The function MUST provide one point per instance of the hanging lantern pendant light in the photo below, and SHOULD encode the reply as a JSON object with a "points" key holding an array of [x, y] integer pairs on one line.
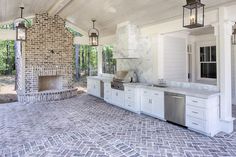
{"points": [[193, 14], [234, 37], [93, 35], [21, 28]]}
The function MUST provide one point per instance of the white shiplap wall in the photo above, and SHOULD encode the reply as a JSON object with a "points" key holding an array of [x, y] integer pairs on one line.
{"points": [[175, 59]]}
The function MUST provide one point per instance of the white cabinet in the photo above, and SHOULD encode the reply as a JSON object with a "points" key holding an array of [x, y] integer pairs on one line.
{"points": [[93, 87], [132, 99], [107, 92], [202, 115], [118, 98], [152, 103]]}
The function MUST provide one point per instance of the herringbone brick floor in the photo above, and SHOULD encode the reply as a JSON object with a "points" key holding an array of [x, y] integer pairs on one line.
{"points": [[87, 126]]}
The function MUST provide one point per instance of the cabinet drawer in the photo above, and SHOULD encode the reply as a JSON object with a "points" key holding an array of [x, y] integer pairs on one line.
{"points": [[130, 90], [130, 104], [129, 97], [196, 124], [196, 112], [198, 102]]}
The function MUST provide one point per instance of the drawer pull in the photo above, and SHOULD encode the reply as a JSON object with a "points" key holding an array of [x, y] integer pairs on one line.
{"points": [[156, 94], [129, 98], [195, 124], [195, 101], [195, 112]]}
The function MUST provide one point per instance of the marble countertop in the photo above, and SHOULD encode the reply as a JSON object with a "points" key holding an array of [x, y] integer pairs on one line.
{"points": [[205, 94]]}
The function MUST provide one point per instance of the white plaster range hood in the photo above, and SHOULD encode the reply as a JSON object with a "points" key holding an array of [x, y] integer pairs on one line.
{"points": [[127, 39]]}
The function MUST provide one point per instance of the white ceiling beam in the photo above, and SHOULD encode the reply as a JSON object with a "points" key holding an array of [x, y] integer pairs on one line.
{"points": [[58, 7]]}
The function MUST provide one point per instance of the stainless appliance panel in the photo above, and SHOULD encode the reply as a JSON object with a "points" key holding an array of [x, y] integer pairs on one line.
{"points": [[175, 108]]}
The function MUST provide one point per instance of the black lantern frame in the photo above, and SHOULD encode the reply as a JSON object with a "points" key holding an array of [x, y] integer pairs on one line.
{"points": [[21, 29], [93, 35], [193, 14], [234, 37], [21, 32]]}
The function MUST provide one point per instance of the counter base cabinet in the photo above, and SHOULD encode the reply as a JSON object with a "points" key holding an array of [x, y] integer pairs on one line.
{"points": [[132, 99], [118, 97], [202, 115], [152, 103], [93, 87]]}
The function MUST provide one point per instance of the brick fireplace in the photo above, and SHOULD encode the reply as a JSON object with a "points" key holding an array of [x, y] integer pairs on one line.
{"points": [[47, 59]]}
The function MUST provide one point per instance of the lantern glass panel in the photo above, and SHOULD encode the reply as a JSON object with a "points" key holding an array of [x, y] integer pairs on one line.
{"points": [[21, 33], [93, 40]]}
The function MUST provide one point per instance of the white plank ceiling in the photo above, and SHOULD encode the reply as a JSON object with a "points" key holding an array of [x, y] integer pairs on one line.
{"points": [[107, 12]]}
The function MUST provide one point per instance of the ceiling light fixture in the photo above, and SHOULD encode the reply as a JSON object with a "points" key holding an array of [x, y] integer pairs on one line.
{"points": [[234, 37], [193, 14], [93, 35], [21, 28]]}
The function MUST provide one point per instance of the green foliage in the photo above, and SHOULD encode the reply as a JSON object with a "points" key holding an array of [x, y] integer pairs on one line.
{"points": [[87, 59], [7, 57], [10, 26], [7, 26], [75, 33], [109, 64]]}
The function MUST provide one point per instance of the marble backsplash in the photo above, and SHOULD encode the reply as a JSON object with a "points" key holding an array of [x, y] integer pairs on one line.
{"points": [[143, 66]]}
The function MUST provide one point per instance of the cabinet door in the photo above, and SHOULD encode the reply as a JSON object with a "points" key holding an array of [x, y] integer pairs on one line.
{"points": [[158, 104], [118, 97], [107, 92], [146, 105], [96, 88]]}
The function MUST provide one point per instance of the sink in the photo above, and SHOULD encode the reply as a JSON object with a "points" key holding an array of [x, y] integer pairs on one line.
{"points": [[158, 85]]}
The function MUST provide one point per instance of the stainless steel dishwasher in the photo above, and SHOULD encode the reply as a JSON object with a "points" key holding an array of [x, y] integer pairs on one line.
{"points": [[175, 108]]}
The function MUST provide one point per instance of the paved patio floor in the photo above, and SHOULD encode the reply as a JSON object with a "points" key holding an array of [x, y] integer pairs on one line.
{"points": [[87, 126]]}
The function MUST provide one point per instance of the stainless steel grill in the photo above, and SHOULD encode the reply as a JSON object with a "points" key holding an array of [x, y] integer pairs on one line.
{"points": [[117, 84]]}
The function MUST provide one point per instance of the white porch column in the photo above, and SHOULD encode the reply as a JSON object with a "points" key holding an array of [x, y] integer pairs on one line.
{"points": [[100, 59], [223, 32]]}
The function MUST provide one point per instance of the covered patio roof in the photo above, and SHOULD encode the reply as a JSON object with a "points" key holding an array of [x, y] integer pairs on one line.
{"points": [[108, 13]]}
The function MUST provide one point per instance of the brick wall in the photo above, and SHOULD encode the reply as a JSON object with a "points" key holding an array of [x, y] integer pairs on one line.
{"points": [[48, 51]]}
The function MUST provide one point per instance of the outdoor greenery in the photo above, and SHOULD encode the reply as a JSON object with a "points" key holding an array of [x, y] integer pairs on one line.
{"points": [[7, 58], [88, 61], [108, 63]]}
